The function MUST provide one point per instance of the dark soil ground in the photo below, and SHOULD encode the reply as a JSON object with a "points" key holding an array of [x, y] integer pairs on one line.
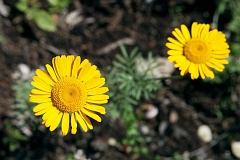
{"points": [[105, 23]]}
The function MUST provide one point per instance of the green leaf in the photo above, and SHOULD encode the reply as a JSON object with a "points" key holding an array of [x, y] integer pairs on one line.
{"points": [[53, 2], [22, 5], [44, 20], [59, 3]]}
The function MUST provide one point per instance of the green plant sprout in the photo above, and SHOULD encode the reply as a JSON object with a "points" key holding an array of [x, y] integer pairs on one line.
{"points": [[129, 87], [43, 18]]}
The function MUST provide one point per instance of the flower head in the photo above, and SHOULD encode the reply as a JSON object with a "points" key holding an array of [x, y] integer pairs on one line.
{"points": [[199, 51], [69, 92]]}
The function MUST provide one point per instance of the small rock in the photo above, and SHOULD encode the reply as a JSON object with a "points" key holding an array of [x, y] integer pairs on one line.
{"points": [[4, 9], [99, 144], [16, 75], [79, 155], [162, 127], [144, 129], [235, 147], [23, 72], [73, 18], [112, 141], [173, 117], [204, 133], [26, 130], [164, 67], [152, 112]]}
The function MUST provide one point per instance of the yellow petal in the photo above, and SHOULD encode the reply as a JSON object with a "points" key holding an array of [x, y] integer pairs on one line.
{"points": [[175, 42], [201, 26], [84, 62], [201, 71], [207, 71], [65, 123], [61, 65], [76, 66], [95, 84], [49, 113], [98, 97], [73, 124], [178, 58], [90, 74], [95, 108], [219, 56], [45, 77], [55, 60], [174, 47], [40, 84], [227, 51], [87, 121], [223, 46], [51, 72], [97, 101], [195, 71], [52, 118], [38, 91], [212, 65], [42, 106], [174, 52], [81, 122], [217, 62], [194, 30], [56, 122], [39, 99], [91, 114], [42, 111], [205, 31], [180, 36], [69, 65], [184, 67], [185, 32], [96, 91], [211, 35], [84, 71]]}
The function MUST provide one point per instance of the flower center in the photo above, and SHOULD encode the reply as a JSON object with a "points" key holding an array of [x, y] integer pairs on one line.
{"points": [[69, 95], [197, 50]]}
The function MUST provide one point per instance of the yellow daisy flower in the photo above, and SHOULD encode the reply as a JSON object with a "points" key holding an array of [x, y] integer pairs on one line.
{"points": [[68, 92], [199, 51]]}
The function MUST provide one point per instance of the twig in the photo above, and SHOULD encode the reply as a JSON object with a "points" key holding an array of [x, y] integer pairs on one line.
{"points": [[208, 146], [108, 48]]}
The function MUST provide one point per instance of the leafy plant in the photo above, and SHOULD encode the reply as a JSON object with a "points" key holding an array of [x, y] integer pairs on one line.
{"points": [[127, 82], [130, 83], [23, 109], [43, 18]]}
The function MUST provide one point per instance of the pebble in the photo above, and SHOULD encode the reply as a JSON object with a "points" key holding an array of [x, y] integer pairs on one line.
{"points": [[204, 133], [235, 147], [162, 127], [23, 72], [152, 112], [144, 129], [173, 117]]}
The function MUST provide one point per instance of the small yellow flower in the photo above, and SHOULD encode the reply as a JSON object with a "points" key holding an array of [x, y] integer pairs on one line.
{"points": [[199, 51], [68, 92]]}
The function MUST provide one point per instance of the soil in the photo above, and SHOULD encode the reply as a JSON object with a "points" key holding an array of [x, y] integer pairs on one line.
{"points": [[104, 25]]}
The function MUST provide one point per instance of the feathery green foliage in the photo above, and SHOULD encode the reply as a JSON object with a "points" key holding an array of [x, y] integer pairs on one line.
{"points": [[130, 83]]}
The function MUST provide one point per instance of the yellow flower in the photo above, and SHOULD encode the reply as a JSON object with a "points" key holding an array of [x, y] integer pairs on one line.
{"points": [[199, 51], [68, 92]]}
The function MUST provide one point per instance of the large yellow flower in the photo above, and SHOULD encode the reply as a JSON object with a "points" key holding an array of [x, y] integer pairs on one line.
{"points": [[68, 92], [199, 51]]}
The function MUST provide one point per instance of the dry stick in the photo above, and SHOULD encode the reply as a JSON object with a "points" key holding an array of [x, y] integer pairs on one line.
{"points": [[208, 146], [108, 48]]}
